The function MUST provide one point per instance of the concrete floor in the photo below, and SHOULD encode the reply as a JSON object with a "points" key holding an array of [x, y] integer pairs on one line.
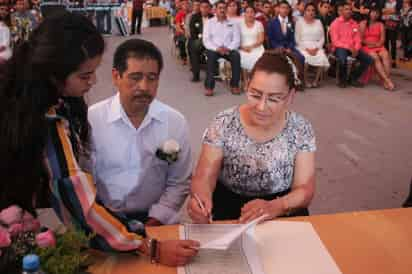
{"points": [[364, 136]]}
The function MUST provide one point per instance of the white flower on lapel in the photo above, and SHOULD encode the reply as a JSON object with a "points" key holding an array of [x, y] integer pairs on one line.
{"points": [[197, 25], [289, 26], [169, 151], [170, 147], [355, 30]]}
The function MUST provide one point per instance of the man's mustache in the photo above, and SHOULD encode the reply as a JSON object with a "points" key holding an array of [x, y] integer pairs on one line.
{"points": [[143, 96]]}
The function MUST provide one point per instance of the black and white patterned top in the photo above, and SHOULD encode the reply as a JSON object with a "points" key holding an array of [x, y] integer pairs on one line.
{"points": [[256, 169]]}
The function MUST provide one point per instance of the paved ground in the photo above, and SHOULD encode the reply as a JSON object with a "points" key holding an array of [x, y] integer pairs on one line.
{"points": [[364, 136]]}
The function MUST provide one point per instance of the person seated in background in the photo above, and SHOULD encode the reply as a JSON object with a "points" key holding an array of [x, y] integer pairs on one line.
{"points": [[298, 10], [361, 9], [257, 158], [23, 21], [142, 148], [265, 18], [326, 18], [5, 38], [258, 5], [373, 40], [195, 45], [346, 41], [252, 36], [281, 33], [221, 38], [243, 5], [310, 39], [194, 7], [233, 11], [179, 35]]}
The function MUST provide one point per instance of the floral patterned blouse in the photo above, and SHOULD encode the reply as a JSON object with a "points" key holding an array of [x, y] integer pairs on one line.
{"points": [[255, 169]]}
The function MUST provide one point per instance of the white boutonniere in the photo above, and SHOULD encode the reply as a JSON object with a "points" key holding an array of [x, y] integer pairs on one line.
{"points": [[200, 36], [169, 151], [289, 25], [355, 30], [197, 25]]}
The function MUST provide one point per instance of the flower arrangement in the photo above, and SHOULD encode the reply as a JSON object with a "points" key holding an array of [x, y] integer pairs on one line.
{"points": [[21, 234]]}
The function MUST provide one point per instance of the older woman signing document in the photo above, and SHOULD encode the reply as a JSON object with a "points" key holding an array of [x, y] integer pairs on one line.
{"points": [[257, 158]]}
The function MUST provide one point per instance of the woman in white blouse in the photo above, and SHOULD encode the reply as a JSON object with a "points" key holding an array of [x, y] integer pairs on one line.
{"points": [[252, 36], [310, 38], [5, 51]]}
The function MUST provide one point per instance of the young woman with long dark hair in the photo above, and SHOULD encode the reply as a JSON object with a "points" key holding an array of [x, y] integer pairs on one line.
{"points": [[46, 135]]}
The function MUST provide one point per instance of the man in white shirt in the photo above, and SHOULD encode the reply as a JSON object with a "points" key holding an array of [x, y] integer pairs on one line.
{"points": [[221, 38], [135, 138]]}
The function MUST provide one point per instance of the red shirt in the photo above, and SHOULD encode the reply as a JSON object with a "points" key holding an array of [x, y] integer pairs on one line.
{"points": [[345, 34], [180, 20]]}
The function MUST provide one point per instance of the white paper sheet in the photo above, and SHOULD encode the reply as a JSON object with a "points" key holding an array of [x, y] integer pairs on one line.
{"points": [[293, 248], [224, 241], [240, 258]]}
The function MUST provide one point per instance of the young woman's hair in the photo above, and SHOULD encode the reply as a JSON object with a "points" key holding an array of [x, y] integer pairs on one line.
{"points": [[275, 61], [30, 83], [237, 6], [373, 9], [310, 4], [6, 20]]}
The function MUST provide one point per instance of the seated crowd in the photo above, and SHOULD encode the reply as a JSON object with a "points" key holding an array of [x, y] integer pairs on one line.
{"points": [[321, 35]]}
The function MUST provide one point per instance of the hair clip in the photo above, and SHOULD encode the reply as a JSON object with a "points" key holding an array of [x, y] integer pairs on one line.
{"points": [[296, 79]]}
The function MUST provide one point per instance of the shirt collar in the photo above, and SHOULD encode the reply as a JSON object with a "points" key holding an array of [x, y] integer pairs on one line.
{"points": [[282, 19], [116, 111]]}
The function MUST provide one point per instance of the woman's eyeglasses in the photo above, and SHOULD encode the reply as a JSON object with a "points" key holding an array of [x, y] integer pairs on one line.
{"points": [[274, 99]]}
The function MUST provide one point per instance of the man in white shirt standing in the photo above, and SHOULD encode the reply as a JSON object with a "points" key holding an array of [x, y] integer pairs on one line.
{"points": [[221, 38], [142, 151]]}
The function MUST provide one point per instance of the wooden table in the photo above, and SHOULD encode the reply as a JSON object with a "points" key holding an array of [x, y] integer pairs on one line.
{"points": [[368, 242]]}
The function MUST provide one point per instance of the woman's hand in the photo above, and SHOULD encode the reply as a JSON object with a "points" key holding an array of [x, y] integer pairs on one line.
{"points": [[256, 208], [177, 252], [196, 212]]}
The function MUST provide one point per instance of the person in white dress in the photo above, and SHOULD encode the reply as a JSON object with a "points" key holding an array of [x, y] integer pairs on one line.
{"points": [[310, 38], [252, 36]]}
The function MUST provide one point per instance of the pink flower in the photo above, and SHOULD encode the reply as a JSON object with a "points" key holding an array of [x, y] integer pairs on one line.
{"points": [[15, 229], [5, 240], [30, 223], [11, 215], [46, 239]]}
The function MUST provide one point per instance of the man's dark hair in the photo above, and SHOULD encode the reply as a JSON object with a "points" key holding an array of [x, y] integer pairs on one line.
{"points": [[322, 3], [220, 2], [205, 2], [136, 48]]}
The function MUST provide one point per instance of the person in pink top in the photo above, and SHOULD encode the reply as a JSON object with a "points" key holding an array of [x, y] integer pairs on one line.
{"points": [[346, 41], [373, 39]]}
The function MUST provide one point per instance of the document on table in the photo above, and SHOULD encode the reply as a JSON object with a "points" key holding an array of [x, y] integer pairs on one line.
{"points": [[240, 257], [275, 247]]}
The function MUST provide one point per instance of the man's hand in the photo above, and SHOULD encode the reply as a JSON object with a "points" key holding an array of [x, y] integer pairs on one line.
{"points": [[221, 50], [354, 53], [177, 252], [153, 222]]}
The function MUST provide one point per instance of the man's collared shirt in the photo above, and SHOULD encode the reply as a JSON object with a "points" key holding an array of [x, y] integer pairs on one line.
{"points": [[345, 34], [130, 177], [221, 34]]}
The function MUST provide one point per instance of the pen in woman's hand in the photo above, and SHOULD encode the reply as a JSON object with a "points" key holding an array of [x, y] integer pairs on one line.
{"points": [[202, 207]]}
